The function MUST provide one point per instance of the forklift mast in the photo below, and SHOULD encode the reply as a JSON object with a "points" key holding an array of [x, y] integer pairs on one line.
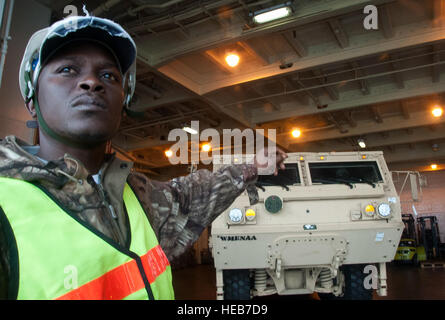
{"points": [[410, 229], [429, 235]]}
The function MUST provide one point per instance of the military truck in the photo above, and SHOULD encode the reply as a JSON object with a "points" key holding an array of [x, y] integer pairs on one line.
{"points": [[328, 223]]}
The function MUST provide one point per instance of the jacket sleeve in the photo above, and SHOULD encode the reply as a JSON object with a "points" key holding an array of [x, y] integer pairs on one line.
{"points": [[180, 209]]}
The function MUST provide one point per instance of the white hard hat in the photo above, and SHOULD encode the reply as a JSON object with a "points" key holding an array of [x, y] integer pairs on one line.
{"points": [[44, 43]]}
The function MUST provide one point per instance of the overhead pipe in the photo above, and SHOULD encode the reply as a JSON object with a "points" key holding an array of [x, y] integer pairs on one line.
{"points": [[105, 7], [185, 15], [2, 10], [6, 37], [133, 11], [163, 120], [154, 6]]}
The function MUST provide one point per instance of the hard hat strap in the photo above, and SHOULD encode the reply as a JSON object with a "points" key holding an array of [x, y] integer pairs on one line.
{"points": [[50, 132]]}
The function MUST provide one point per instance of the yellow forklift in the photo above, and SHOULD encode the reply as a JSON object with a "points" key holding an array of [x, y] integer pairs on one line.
{"points": [[409, 250]]}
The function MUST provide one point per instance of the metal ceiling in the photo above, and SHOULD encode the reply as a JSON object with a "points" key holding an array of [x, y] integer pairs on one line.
{"points": [[319, 70]]}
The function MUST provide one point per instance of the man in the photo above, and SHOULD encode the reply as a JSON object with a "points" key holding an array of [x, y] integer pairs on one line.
{"points": [[75, 222]]}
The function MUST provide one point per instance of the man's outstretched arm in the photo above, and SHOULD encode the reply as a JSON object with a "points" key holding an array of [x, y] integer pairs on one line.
{"points": [[180, 209]]}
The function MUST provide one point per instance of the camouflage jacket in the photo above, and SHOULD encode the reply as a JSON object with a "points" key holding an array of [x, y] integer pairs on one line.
{"points": [[178, 210]]}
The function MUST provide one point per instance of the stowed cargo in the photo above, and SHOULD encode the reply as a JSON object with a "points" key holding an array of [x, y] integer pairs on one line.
{"points": [[324, 224]]}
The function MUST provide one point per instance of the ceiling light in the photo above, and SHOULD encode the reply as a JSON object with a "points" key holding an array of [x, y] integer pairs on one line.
{"points": [[232, 59], [190, 130], [361, 143], [206, 147], [437, 112], [168, 153], [272, 13], [434, 166], [296, 133]]}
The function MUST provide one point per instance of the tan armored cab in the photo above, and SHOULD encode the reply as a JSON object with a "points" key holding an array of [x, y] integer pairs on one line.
{"points": [[328, 223]]}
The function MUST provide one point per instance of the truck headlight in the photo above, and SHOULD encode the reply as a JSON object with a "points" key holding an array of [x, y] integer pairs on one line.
{"points": [[235, 215], [384, 210]]}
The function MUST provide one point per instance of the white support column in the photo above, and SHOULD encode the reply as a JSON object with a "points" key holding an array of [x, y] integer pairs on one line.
{"points": [[219, 285], [382, 289]]}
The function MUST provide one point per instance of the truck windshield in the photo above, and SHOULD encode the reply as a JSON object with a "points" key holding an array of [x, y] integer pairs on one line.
{"points": [[345, 172], [286, 177]]}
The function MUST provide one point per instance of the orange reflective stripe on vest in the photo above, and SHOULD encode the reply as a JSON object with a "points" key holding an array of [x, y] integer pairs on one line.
{"points": [[155, 262], [112, 285]]}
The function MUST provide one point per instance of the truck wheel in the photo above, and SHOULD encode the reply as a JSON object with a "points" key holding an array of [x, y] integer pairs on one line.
{"points": [[354, 288], [354, 283], [236, 284]]}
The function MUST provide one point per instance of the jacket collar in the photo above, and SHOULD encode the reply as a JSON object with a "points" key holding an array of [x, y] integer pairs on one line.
{"points": [[114, 171]]}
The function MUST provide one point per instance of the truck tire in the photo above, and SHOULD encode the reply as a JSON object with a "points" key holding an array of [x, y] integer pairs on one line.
{"points": [[354, 283], [354, 288], [237, 284]]}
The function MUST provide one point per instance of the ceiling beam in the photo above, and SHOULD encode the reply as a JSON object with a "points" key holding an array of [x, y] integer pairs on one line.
{"points": [[308, 13], [350, 119], [289, 85], [375, 140], [404, 110], [171, 96], [435, 69], [423, 152], [330, 90], [364, 85], [219, 62], [386, 22], [420, 166], [257, 91], [296, 45], [313, 97], [361, 47], [339, 33], [238, 112], [376, 114], [384, 93], [127, 143], [398, 75], [331, 118], [367, 44], [418, 119], [253, 52], [188, 90]]}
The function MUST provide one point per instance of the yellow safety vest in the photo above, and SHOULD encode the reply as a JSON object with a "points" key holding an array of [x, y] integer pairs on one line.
{"points": [[58, 256]]}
